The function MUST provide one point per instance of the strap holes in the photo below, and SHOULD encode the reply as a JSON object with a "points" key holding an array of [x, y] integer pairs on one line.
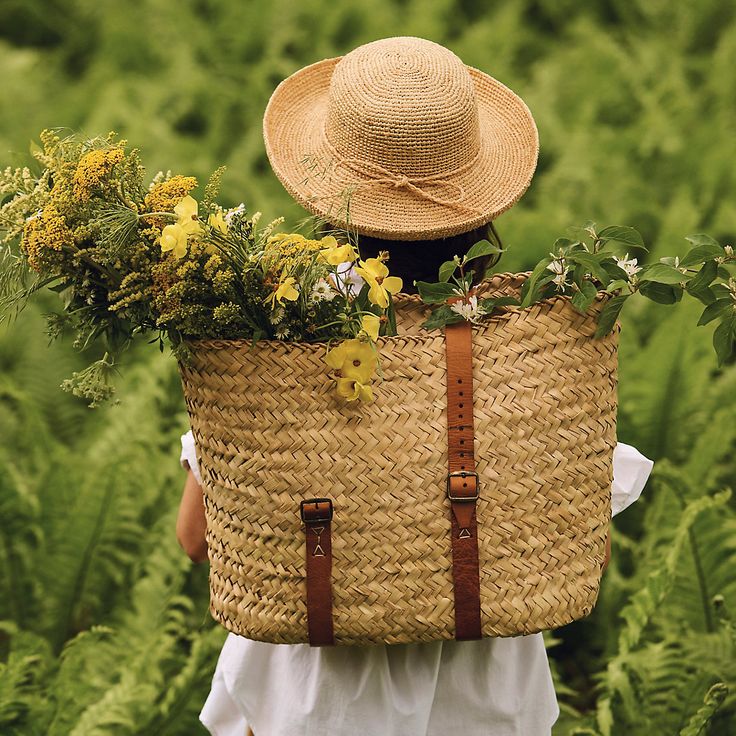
{"points": [[461, 393], [462, 442], [459, 380], [460, 405], [462, 467], [465, 485]]}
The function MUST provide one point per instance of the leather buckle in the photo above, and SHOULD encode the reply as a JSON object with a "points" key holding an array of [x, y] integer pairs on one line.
{"points": [[463, 474], [315, 514]]}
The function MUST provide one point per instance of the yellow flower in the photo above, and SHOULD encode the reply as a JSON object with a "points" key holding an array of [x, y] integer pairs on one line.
{"points": [[44, 232], [354, 359], [381, 284], [165, 195], [174, 237], [186, 211], [217, 221], [93, 169], [334, 253], [371, 324], [351, 389], [285, 290]]}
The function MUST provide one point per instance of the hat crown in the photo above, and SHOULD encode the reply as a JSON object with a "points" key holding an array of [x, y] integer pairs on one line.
{"points": [[405, 104]]}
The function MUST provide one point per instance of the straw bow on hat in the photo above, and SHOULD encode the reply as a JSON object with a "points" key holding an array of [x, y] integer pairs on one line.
{"points": [[400, 140]]}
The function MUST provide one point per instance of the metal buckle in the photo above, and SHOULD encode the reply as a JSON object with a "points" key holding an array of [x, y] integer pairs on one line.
{"points": [[463, 474], [322, 517]]}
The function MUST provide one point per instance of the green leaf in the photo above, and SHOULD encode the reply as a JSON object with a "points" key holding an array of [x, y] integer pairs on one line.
{"points": [[609, 314], [614, 270], [446, 270], [703, 278], [482, 248], [440, 317], [661, 293], [702, 253], [592, 263], [662, 273], [723, 339], [530, 286], [622, 234], [435, 293], [582, 299], [704, 295], [617, 284], [701, 239], [488, 305], [715, 310]]}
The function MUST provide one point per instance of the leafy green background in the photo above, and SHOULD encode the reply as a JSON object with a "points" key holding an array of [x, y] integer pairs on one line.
{"points": [[103, 621]]}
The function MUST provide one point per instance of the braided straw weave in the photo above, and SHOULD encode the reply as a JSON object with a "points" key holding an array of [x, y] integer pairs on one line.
{"points": [[401, 140], [270, 432]]}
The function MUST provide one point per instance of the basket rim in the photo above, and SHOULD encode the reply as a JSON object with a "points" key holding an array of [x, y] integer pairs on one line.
{"points": [[507, 313]]}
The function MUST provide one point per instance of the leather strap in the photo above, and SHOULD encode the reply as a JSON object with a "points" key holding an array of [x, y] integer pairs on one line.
{"points": [[462, 480], [316, 514]]}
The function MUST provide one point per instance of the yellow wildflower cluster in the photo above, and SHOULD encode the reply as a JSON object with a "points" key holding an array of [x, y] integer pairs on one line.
{"points": [[285, 252], [354, 362], [94, 168], [43, 234], [165, 195], [175, 237]]}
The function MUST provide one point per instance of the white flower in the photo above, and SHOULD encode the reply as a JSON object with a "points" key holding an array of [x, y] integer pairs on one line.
{"points": [[239, 210], [322, 291], [629, 266], [282, 333], [560, 269], [728, 250], [347, 277], [277, 315], [467, 309], [558, 266]]}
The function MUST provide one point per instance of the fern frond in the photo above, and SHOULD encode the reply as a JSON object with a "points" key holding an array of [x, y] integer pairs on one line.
{"points": [[702, 717]]}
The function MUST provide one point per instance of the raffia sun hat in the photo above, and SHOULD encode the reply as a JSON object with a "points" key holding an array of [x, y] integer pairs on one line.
{"points": [[400, 140]]}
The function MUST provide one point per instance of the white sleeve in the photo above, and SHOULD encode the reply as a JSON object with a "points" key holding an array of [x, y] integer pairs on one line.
{"points": [[188, 458], [630, 473]]}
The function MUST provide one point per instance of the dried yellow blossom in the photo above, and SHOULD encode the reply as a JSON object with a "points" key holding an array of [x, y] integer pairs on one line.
{"points": [[93, 169], [44, 232]]}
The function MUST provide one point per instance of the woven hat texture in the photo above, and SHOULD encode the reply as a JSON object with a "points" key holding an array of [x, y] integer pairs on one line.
{"points": [[400, 140], [270, 432]]}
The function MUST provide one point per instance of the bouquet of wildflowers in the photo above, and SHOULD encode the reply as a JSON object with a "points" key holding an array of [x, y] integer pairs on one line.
{"points": [[128, 258]]}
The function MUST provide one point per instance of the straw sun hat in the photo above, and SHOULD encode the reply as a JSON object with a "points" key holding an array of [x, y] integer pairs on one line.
{"points": [[400, 140]]}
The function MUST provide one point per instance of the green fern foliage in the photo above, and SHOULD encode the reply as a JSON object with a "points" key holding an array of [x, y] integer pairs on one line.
{"points": [[104, 624]]}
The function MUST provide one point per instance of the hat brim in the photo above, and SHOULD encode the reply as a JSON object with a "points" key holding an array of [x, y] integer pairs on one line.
{"points": [[293, 131]]}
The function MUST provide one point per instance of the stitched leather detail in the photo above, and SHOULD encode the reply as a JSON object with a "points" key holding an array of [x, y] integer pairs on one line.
{"points": [[316, 514], [462, 480]]}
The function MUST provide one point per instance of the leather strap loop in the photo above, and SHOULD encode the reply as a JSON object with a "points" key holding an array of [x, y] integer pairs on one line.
{"points": [[316, 514], [462, 480]]}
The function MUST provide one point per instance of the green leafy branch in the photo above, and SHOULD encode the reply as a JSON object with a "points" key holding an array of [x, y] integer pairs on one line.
{"points": [[592, 266]]}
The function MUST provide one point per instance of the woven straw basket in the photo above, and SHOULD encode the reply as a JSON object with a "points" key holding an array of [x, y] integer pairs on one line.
{"points": [[270, 431]]}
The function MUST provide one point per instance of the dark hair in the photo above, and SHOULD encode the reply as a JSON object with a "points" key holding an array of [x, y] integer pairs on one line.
{"points": [[420, 259]]}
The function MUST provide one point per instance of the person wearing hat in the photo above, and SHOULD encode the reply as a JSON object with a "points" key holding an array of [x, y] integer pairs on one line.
{"points": [[411, 151]]}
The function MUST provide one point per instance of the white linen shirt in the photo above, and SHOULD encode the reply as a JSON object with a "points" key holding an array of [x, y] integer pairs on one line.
{"points": [[490, 687]]}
